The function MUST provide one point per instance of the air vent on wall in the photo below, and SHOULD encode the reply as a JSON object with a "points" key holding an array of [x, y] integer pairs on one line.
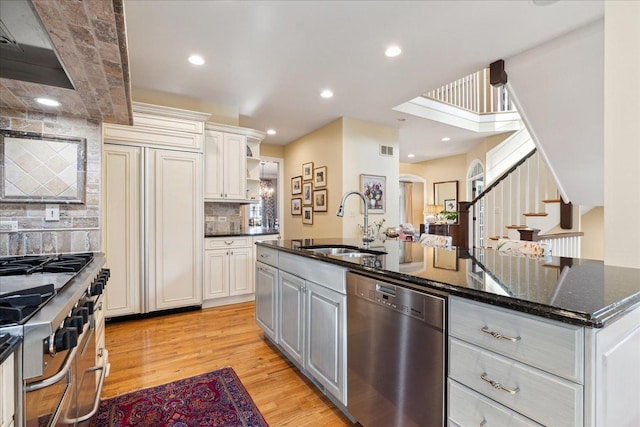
{"points": [[386, 150]]}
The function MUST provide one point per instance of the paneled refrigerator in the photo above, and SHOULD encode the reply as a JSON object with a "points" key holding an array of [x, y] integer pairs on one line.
{"points": [[152, 228]]}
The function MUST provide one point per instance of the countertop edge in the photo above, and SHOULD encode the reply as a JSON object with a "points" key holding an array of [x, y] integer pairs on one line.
{"points": [[600, 320], [241, 234]]}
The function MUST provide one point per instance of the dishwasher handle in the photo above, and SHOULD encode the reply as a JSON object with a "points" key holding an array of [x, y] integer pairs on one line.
{"points": [[386, 290]]}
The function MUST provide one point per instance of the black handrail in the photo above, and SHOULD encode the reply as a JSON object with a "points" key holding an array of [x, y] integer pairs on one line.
{"points": [[502, 177]]}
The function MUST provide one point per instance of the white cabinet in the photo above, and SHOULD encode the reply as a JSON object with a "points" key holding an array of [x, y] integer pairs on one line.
{"points": [[228, 267], [122, 227], [232, 163], [153, 212], [8, 389], [225, 169], [174, 229], [267, 299]]}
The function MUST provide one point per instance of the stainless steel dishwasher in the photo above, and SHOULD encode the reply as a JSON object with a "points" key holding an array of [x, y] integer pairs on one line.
{"points": [[395, 354]]}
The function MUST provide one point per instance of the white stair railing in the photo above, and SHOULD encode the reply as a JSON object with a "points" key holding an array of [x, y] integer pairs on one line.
{"points": [[474, 93]]}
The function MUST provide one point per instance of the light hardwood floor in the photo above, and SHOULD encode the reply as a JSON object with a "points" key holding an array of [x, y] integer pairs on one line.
{"points": [[154, 351]]}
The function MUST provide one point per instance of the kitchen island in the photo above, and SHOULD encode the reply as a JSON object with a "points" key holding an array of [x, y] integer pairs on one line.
{"points": [[566, 331]]}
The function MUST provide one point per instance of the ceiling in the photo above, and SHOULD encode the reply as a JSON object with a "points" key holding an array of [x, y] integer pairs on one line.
{"points": [[271, 59]]}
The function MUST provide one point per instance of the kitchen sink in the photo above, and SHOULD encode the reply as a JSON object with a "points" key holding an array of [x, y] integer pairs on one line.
{"points": [[342, 251]]}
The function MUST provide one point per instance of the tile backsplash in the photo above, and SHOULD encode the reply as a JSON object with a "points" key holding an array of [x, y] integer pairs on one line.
{"points": [[223, 217], [78, 229]]}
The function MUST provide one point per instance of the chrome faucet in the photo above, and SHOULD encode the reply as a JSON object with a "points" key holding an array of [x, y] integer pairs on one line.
{"points": [[366, 236]]}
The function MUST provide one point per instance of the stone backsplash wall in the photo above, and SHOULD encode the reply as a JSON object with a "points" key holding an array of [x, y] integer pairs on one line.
{"points": [[223, 217], [78, 229]]}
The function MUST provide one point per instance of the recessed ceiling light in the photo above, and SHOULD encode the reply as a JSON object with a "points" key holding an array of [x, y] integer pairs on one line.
{"points": [[393, 51], [48, 102], [196, 60], [445, 139], [411, 156], [271, 131], [326, 93]]}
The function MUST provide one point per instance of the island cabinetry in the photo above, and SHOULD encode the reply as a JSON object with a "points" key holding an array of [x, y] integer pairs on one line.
{"points": [[529, 365], [8, 389], [311, 318], [228, 267], [503, 362], [267, 299], [267, 279], [291, 315], [232, 161]]}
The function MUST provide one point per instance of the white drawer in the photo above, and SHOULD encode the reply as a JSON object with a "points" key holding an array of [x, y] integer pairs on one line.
{"points": [[227, 242], [267, 255], [543, 397], [553, 346], [468, 408]]}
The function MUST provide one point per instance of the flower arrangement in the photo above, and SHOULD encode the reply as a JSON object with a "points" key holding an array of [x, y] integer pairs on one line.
{"points": [[372, 190]]}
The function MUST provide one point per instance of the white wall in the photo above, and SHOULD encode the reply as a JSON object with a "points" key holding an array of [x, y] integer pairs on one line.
{"points": [[360, 149], [622, 134], [559, 91]]}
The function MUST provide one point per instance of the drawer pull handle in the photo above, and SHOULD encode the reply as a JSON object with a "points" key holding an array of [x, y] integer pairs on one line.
{"points": [[499, 386], [228, 242], [498, 335]]}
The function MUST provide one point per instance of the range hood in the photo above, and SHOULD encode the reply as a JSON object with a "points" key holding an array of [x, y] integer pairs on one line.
{"points": [[26, 52]]}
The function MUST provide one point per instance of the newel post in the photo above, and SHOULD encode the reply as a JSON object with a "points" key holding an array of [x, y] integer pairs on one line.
{"points": [[463, 221]]}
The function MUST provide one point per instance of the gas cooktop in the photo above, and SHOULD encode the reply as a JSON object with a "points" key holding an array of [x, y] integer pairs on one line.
{"points": [[29, 282]]}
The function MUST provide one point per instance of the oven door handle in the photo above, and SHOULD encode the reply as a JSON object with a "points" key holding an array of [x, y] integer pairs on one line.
{"points": [[57, 377], [96, 402]]}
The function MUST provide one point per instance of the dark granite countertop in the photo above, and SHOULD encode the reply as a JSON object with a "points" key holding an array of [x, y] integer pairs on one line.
{"points": [[578, 291], [253, 231]]}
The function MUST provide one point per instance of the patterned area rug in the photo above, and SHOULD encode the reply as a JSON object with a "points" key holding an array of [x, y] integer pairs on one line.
{"points": [[217, 399]]}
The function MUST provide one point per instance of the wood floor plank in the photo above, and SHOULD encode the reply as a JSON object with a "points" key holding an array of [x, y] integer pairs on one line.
{"points": [[154, 351]]}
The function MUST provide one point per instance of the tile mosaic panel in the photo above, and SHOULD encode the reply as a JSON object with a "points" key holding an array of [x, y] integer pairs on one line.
{"points": [[37, 168]]}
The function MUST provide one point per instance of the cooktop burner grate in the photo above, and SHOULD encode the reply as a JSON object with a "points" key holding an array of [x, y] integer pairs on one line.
{"points": [[19, 306], [64, 263]]}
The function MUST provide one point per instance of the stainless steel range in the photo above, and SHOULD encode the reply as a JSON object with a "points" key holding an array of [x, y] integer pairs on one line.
{"points": [[54, 304]]}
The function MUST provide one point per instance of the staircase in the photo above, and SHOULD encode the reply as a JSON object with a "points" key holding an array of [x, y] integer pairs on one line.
{"points": [[521, 200], [521, 204]]}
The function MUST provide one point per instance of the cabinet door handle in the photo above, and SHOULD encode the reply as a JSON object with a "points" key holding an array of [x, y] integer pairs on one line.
{"points": [[231, 252], [497, 385], [497, 335]]}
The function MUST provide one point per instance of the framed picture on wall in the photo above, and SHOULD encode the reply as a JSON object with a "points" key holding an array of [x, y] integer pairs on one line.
{"points": [[374, 189], [320, 200], [307, 215], [307, 171], [296, 206], [306, 193], [296, 185], [450, 205], [320, 177]]}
